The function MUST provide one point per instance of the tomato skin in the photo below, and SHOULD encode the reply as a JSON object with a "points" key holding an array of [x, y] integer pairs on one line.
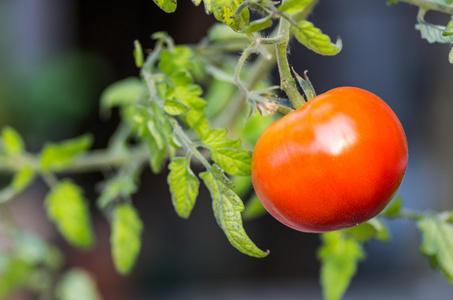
{"points": [[333, 163]]}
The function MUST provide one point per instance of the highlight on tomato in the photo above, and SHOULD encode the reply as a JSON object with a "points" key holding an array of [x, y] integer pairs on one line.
{"points": [[334, 163]]}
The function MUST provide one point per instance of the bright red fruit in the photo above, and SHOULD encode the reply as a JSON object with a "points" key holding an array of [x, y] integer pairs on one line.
{"points": [[333, 163]]}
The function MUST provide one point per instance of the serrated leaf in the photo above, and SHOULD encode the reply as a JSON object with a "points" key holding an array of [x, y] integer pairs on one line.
{"points": [[138, 54], [125, 92], [68, 209], [313, 38], [227, 211], [227, 153], [59, 156], [77, 284], [394, 209], [339, 256], [126, 237], [167, 6], [183, 186], [437, 244], [11, 142], [174, 107], [118, 187], [258, 25], [294, 6], [224, 11], [433, 33]]}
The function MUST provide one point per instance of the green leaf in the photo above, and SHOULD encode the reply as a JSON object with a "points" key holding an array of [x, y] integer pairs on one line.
{"points": [[126, 237], [20, 181], [138, 54], [68, 209], [12, 142], [394, 209], [313, 38], [174, 107], [449, 28], [118, 187], [433, 33], [227, 211], [253, 209], [168, 6], [155, 129], [125, 92], [59, 156], [437, 243], [258, 25], [180, 58], [189, 95], [183, 186], [373, 229], [227, 153], [224, 11], [450, 56], [196, 2], [294, 6], [77, 284], [339, 255], [14, 272]]}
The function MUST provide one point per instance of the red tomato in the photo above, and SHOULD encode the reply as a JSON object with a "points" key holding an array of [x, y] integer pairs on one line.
{"points": [[333, 163]]}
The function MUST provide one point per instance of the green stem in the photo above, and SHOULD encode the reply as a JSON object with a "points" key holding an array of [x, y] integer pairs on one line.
{"points": [[191, 146]]}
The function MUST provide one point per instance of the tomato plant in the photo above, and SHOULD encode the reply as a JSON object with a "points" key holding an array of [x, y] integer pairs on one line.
{"points": [[334, 163], [330, 165]]}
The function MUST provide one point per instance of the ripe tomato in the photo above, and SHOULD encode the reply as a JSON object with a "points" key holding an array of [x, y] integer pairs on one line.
{"points": [[333, 163]]}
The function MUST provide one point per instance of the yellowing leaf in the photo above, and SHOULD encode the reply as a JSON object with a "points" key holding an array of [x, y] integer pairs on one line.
{"points": [[313, 38], [11, 141], [168, 6], [183, 186], [67, 208], [294, 6], [126, 237], [58, 156]]}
